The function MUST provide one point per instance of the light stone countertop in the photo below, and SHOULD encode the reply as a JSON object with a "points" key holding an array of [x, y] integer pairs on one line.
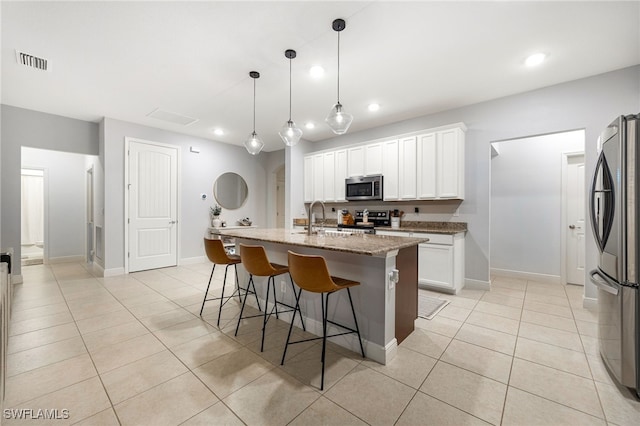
{"points": [[363, 244]]}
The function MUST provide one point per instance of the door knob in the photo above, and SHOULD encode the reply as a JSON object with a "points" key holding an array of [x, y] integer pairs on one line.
{"points": [[173, 222], [572, 227]]}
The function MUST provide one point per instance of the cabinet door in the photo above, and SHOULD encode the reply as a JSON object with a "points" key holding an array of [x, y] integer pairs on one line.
{"points": [[427, 166], [407, 168], [329, 185], [355, 161], [308, 179], [390, 170], [373, 159], [450, 164], [435, 265], [341, 174], [318, 177]]}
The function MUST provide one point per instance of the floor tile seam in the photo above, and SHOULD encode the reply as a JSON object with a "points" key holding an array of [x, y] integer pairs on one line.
{"points": [[475, 372], [178, 323], [554, 328], [513, 357], [547, 313], [219, 401], [559, 403], [41, 316], [593, 379], [331, 402], [484, 347], [112, 326], [552, 344], [453, 406], [406, 406], [154, 386], [44, 344], [379, 372], [15, 308], [491, 329], [556, 368]]}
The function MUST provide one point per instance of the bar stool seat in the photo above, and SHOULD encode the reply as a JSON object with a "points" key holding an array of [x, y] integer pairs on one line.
{"points": [[255, 261], [214, 248], [311, 274]]}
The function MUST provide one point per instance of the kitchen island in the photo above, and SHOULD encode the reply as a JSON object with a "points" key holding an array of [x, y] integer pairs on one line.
{"points": [[386, 310]]}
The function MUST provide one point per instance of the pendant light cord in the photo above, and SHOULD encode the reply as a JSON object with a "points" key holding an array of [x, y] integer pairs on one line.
{"points": [[289, 89], [338, 66], [254, 105]]}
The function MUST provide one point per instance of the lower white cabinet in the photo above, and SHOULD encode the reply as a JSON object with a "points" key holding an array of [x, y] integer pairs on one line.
{"points": [[440, 261]]}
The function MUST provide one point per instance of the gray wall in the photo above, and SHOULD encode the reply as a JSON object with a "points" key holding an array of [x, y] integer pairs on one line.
{"points": [[197, 174], [526, 202], [21, 127], [589, 103], [65, 184]]}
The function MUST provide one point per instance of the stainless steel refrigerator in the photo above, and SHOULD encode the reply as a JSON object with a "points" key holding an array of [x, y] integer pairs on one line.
{"points": [[614, 218]]}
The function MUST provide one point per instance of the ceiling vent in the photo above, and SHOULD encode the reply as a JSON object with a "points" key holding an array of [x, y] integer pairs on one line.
{"points": [[172, 117], [29, 60]]}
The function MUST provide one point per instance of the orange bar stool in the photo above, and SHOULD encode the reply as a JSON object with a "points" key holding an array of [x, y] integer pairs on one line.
{"points": [[311, 274], [218, 256], [255, 261]]}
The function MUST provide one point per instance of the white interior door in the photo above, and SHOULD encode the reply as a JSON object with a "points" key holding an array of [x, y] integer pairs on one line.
{"points": [[575, 220], [153, 200]]}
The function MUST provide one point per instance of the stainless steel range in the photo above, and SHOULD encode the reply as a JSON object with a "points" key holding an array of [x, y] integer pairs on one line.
{"points": [[376, 218]]}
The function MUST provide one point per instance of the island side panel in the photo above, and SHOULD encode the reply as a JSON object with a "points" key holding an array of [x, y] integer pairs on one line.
{"points": [[406, 292], [370, 299]]}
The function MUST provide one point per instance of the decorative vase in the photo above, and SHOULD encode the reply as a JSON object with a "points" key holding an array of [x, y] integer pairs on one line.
{"points": [[216, 222]]}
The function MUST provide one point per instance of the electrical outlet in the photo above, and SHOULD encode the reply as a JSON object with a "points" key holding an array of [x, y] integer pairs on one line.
{"points": [[416, 210], [283, 287]]}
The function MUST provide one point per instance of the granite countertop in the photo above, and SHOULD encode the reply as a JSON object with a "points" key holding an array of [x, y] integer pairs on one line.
{"points": [[363, 244], [448, 228]]}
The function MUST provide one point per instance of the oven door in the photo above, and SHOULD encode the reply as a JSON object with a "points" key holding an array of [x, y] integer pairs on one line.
{"points": [[605, 200]]}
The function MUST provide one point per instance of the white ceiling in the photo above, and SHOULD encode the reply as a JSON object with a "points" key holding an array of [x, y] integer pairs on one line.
{"points": [[123, 60]]}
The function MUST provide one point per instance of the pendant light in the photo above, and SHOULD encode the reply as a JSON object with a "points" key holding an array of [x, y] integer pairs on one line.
{"points": [[253, 143], [290, 133], [338, 120]]}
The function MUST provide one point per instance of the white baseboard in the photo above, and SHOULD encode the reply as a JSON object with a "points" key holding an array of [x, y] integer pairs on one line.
{"points": [[545, 278], [65, 259], [477, 284], [113, 272], [589, 302], [192, 260], [97, 270], [16, 279]]}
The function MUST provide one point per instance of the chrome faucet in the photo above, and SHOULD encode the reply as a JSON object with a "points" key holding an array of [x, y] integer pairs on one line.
{"points": [[311, 210]]}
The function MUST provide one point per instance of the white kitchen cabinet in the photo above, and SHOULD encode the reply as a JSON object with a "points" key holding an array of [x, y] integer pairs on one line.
{"points": [[340, 174], [440, 166], [407, 166], [390, 170], [373, 159], [355, 161], [440, 260], [318, 177], [329, 177], [308, 179]]}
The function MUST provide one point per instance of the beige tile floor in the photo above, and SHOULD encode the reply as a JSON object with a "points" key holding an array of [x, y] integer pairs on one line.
{"points": [[132, 350]]}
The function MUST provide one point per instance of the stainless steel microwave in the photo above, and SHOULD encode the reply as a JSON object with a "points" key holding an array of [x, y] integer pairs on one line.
{"points": [[363, 188]]}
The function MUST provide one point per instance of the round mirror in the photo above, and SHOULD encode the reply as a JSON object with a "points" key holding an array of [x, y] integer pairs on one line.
{"points": [[230, 190]]}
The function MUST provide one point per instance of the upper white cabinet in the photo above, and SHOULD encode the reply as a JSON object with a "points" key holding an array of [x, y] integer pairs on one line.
{"points": [[429, 166], [407, 167], [390, 190], [373, 159], [308, 179], [441, 165], [355, 161]]}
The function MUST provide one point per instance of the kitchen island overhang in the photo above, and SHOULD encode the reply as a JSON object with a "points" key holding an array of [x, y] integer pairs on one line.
{"points": [[369, 259]]}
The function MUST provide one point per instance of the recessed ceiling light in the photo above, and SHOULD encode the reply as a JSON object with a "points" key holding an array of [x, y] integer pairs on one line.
{"points": [[535, 59], [310, 125], [316, 71], [374, 107], [219, 132]]}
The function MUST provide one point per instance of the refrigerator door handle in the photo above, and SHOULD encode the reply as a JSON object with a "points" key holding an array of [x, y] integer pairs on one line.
{"points": [[603, 283]]}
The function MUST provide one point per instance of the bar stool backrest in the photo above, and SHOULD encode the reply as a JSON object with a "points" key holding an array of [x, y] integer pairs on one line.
{"points": [[255, 260], [216, 252], [311, 273]]}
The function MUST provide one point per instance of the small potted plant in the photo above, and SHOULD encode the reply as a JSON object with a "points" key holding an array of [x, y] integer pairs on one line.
{"points": [[215, 216]]}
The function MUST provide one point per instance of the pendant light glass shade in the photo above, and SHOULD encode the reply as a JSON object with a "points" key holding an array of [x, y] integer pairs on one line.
{"points": [[338, 120], [253, 143], [290, 133]]}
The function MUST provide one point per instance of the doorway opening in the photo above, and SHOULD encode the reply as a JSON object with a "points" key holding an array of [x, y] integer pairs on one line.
{"points": [[32, 211], [528, 239]]}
